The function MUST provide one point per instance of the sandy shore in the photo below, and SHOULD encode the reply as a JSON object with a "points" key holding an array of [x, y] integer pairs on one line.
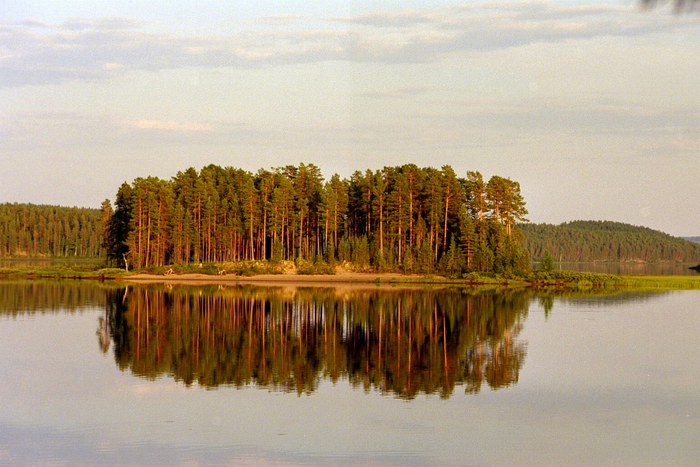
{"points": [[318, 280]]}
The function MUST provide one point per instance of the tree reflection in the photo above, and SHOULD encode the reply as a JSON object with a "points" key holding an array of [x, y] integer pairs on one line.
{"points": [[402, 342], [43, 296]]}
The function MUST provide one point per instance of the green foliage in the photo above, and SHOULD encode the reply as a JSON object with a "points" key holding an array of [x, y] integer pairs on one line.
{"points": [[316, 267], [547, 262], [661, 282], [425, 259], [380, 262], [344, 250], [61, 271], [330, 252], [250, 268], [409, 262], [277, 252], [573, 279], [118, 227], [360, 253]]}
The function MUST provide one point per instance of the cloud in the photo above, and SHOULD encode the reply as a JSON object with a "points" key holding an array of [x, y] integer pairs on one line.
{"points": [[36, 52], [112, 66], [62, 130], [101, 24], [173, 126], [402, 19], [400, 93], [686, 143]]}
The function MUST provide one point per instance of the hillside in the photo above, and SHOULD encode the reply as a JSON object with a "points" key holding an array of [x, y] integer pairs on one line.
{"points": [[606, 241]]}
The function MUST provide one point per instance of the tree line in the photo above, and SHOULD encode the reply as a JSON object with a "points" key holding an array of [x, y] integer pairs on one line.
{"points": [[606, 241], [403, 218], [29, 230]]}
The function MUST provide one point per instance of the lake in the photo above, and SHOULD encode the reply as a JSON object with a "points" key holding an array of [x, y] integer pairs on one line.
{"points": [[101, 374]]}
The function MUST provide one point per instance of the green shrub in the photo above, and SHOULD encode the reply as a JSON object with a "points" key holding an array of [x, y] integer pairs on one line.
{"points": [[305, 267]]}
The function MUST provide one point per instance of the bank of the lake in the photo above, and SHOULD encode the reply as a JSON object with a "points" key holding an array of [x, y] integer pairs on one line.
{"points": [[49, 271], [536, 279]]}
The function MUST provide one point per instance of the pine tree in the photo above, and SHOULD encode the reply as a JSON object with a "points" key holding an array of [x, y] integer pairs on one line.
{"points": [[120, 227]]}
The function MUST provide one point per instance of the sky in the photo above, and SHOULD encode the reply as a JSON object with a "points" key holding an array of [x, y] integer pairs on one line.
{"points": [[593, 107]]}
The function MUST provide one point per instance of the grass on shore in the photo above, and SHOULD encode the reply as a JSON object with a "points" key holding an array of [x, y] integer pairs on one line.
{"points": [[60, 272], [584, 280], [662, 282], [537, 279]]}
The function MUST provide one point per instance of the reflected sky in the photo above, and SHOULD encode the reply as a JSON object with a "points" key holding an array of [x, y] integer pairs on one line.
{"points": [[599, 386]]}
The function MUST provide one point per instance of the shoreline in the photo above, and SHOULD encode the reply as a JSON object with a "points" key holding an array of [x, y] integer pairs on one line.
{"points": [[296, 280], [346, 278]]}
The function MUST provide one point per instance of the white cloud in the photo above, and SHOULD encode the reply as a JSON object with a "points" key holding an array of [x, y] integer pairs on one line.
{"points": [[686, 143], [101, 24], [34, 52], [173, 126], [401, 19], [112, 66]]}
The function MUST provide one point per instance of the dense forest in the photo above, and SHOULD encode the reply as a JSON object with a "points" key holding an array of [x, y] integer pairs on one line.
{"points": [[29, 230], [403, 218], [606, 241]]}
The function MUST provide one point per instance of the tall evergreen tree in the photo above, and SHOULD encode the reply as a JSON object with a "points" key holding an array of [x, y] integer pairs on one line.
{"points": [[120, 227]]}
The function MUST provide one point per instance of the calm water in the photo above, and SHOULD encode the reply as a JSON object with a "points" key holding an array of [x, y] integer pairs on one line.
{"points": [[94, 374]]}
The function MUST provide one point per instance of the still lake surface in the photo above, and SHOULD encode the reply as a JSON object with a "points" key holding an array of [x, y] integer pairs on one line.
{"points": [[99, 374]]}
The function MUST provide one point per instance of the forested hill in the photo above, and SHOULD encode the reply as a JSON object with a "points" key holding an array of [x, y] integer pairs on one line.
{"points": [[606, 241]]}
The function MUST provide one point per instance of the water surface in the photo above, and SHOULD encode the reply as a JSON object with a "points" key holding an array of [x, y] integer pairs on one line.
{"points": [[94, 374]]}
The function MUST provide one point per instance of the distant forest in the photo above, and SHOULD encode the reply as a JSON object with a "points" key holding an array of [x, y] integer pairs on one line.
{"points": [[29, 230], [606, 241], [403, 218]]}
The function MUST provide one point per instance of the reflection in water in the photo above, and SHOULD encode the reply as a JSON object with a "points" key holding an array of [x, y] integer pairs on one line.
{"points": [[30, 296], [404, 342], [602, 298]]}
